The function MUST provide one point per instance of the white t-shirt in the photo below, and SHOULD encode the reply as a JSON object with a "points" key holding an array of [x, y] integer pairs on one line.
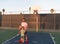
{"points": [[25, 25], [22, 32]]}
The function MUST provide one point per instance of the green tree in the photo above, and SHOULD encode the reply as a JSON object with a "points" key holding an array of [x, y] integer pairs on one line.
{"points": [[3, 10]]}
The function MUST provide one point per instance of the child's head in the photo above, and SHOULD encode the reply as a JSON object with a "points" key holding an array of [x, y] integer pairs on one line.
{"points": [[22, 27]]}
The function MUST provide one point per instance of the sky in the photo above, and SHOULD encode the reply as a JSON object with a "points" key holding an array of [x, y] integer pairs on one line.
{"points": [[23, 5]]}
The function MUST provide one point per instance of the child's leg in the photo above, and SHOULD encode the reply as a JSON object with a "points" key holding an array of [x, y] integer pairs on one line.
{"points": [[22, 40]]}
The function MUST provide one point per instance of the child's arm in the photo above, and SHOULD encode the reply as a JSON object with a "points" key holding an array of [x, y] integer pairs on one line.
{"points": [[19, 32], [20, 27]]}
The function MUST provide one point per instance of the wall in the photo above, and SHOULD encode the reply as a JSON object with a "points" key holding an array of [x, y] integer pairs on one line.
{"points": [[45, 21]]}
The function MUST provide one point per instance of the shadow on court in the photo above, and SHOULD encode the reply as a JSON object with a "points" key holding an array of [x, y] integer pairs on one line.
{"points": [[34, 38]]}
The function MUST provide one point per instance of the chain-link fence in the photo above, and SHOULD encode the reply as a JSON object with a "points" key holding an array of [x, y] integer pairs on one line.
{"points": [[36, 22]]}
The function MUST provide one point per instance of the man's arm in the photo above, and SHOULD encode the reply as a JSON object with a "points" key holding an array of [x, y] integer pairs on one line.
{"points": [[19, 27]]}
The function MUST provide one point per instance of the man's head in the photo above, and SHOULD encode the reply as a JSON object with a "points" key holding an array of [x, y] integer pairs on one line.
{"points": [[23, 20]]}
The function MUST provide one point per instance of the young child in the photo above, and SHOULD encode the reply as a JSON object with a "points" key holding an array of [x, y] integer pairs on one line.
{"points": [[22, 31]]}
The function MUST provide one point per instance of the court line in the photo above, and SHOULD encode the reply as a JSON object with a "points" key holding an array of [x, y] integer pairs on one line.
{"points": [[52, 38], [18, 35], [10, 38]]}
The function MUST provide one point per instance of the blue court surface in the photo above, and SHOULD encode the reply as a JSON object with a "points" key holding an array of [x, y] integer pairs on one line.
{"points": [[34, 38]]}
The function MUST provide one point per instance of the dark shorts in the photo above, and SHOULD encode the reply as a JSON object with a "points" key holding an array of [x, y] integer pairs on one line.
{"points": [[25, 33]]}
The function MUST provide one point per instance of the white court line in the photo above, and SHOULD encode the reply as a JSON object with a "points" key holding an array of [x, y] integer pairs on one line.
{"points": [[10, 39], [52, 38], [35, 42]]}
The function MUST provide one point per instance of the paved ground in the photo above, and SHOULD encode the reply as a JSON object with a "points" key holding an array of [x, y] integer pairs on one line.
{"points": [[34, 38]]}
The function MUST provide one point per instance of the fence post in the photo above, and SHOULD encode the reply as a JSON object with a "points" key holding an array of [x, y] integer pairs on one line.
{"points": [[36, 17], [36, 23]]}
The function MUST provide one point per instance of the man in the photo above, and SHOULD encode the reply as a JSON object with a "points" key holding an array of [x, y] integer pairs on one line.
{"points": [[25, 25]]}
